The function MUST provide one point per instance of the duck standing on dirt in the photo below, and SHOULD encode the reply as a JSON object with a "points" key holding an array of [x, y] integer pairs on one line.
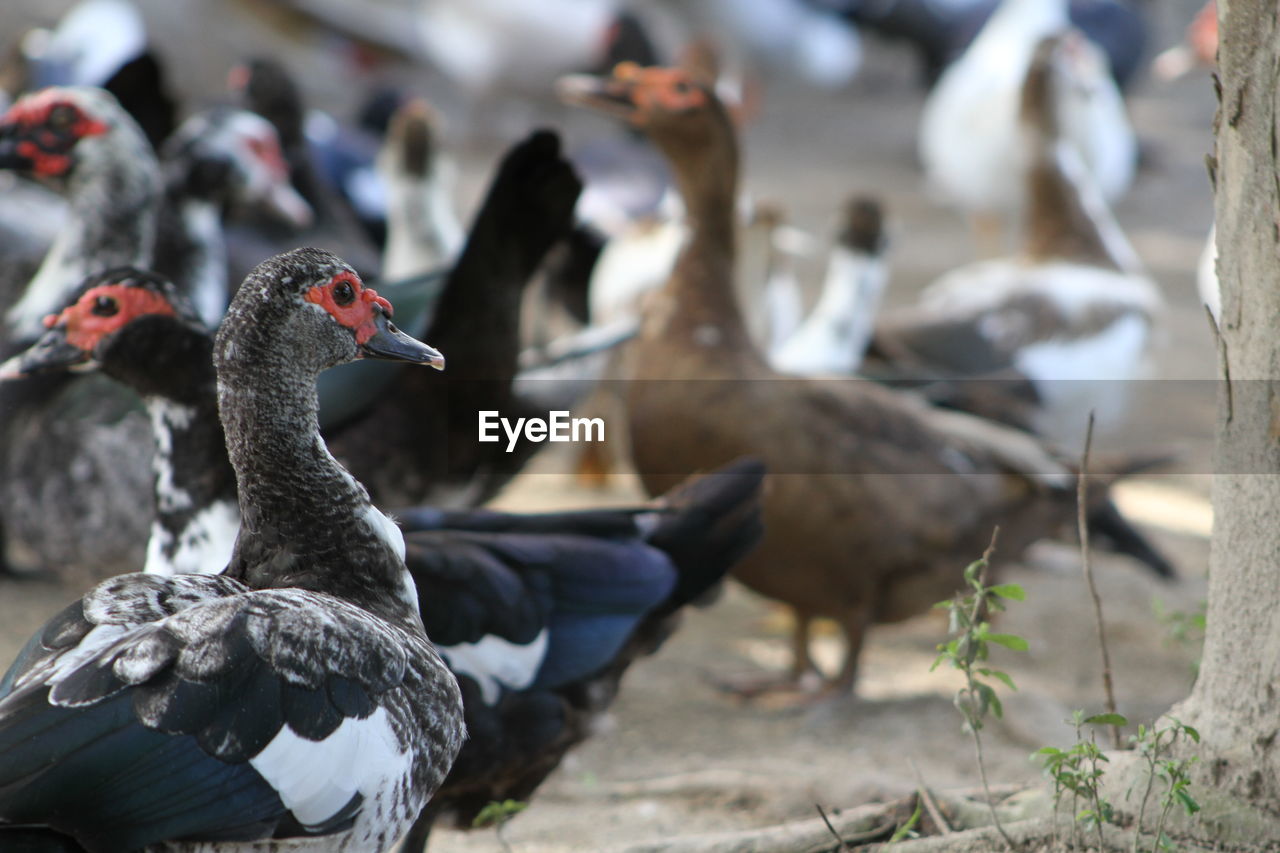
{"points": [[871, 494]]}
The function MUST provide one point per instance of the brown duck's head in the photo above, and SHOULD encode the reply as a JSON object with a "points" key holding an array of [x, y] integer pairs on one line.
{"points": [[670, 105]]}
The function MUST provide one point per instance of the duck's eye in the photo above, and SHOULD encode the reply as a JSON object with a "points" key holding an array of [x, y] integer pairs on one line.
{"points": [[105, 306], [344, 293], [62, 117]]}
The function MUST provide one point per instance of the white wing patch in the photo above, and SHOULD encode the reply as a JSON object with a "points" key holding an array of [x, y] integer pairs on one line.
{"points": [[316, 779], [495, 663]]}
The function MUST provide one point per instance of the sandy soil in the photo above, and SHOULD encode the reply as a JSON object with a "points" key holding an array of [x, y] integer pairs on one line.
{"points": [[735, 766]]}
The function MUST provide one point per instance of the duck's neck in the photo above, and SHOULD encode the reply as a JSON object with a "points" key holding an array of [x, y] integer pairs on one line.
{"points": [[305, 522], [114, 195], [850, 300], [191, 250], [170, 365], [1067, 218], [700, 294], [423, 231]]}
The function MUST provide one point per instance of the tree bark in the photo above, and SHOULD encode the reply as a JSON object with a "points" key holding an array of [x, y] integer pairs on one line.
{"points": [[1234, 703]]}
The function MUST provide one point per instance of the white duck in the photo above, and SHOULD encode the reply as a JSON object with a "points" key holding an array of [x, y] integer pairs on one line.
{"points": [[423, 231], [969, 139], [1072, 305], [834, 337]]}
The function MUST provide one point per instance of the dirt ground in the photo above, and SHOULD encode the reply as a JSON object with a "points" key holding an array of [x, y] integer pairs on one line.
{"points": [[711, 763]]}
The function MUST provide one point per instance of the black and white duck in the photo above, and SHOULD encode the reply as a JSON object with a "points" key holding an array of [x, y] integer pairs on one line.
{"points": [[538, 615], [217, 163], [57, 438], [293, 702], [79, 141], [266, 87], [834, 336]]}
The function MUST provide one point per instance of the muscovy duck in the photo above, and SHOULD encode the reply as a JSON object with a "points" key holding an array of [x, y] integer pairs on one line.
{"points": [[871, 494], [293, 701], [81, 143], [266, 87], [538, 615], [217, 163]]}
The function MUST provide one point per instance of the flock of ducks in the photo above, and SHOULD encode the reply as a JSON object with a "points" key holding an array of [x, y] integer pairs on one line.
{"points": [[295, 668]]}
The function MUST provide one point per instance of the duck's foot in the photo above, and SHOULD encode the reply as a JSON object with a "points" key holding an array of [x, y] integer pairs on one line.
{"points": [[772, 688]]}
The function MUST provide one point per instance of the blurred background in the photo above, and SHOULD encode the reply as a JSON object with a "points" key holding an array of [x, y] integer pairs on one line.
{"points": [[830, 94]]}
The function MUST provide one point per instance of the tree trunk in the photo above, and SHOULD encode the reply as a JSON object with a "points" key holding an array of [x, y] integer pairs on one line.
{"points": [[1234, 703]]}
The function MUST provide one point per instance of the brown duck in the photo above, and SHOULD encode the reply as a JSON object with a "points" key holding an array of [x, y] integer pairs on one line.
{"points": [[875, 500]]}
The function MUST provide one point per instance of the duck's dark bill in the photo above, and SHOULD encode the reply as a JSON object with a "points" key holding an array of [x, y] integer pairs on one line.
{"points": [[51, 352], [390, 343]]}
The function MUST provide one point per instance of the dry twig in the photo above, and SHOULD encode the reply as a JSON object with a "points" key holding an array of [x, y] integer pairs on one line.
{"points": [[1082, 495]]}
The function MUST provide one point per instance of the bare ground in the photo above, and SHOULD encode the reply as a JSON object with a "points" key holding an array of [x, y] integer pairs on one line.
{"points": [[677, 756]]}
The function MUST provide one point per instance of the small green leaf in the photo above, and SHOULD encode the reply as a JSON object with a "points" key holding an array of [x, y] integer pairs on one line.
{"points": [[1191, 733], [1003, 676], [1107, 720], [1188, 802], [1009, 590], [497, 813], [1048, 750], [1009, 641]]}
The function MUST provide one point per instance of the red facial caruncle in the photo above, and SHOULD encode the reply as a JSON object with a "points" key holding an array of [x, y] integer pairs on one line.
{"points": [[47, 125], [351, 303], [106, 309]]}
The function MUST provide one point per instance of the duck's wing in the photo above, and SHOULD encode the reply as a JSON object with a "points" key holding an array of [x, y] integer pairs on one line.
{"points": [[518, 611], [221, 720]]}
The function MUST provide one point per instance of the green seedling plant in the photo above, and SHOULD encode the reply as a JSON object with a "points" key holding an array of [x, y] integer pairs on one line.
{"points": [[498, 814], [1155, 744], [969, 649], [1078, 771]]}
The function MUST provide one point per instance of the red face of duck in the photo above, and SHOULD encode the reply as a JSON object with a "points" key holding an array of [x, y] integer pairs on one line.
{"points": [[368, 316], [267, 173], [643, 97], [39, 133], [73, 338]]}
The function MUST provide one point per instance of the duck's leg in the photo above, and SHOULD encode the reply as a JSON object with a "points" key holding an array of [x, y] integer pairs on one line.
{"points": [[854, 626], [790, 681]]}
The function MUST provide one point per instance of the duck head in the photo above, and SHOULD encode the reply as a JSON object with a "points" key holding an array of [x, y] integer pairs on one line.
{"points": [[309, 304], [674, 107], [233, 157], [106, 307], [40, 133]]}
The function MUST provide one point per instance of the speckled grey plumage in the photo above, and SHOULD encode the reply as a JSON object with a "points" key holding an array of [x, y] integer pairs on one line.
{"points": [[75, 480]]}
